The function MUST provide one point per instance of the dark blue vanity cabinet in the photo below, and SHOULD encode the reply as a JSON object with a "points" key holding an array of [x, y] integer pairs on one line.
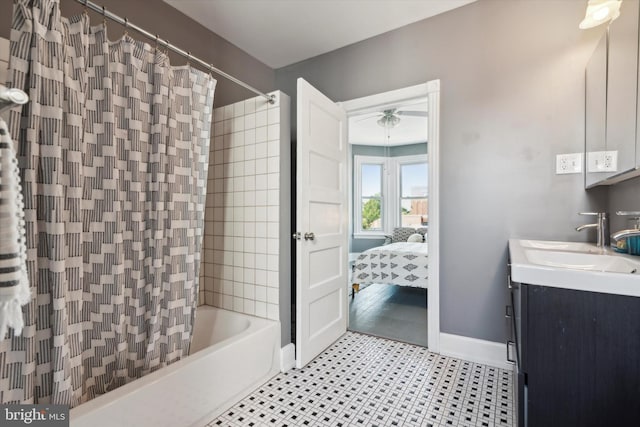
{"points": [[578, 357]]}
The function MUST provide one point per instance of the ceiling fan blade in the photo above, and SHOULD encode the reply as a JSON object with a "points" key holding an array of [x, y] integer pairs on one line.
{"points": [[412, 113], [368, 116]]}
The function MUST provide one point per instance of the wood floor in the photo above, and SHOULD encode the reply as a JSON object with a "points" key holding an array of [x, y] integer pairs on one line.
{"points": [[390, 311]]}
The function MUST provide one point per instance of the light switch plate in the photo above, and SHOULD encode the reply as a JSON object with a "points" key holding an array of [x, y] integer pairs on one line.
{"points": [[602, 161], [568, 163]]}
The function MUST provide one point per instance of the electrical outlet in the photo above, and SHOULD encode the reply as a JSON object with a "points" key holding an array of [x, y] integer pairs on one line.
{"points": [[568, 163], [602, 161]]}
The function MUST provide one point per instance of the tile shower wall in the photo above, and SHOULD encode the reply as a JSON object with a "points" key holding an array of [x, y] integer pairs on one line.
{"points": [[4, 59], [241, 263]]}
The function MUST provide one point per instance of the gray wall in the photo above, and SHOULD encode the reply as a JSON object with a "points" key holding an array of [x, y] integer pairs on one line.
{"points": [[624, 196], [361, 245], [159, 18], [512, 97]]}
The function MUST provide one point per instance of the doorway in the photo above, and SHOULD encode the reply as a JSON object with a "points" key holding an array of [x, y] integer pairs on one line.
{"points": [[393, 198]]}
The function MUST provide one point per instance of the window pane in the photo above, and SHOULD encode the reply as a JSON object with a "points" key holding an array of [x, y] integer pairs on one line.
{"points": [[371, 218], [414, 212], [414, 180], [371, 180]]}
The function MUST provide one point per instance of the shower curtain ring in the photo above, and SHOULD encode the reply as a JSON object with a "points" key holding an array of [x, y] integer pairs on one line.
{"points": [[104, 15], [157, 42], [126, 26], [188, 58], [85, 8]]}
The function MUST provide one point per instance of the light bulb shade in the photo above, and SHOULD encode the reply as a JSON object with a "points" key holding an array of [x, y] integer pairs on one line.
{"points": [[599, 12], [389, 121]]}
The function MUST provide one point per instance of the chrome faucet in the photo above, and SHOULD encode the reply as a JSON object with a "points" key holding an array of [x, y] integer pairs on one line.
{"points": [[630, 232], [601, 226]]}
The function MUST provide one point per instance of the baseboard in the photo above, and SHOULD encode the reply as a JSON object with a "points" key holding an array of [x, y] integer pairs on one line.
{"points": [[475, 350], [287, 357]]}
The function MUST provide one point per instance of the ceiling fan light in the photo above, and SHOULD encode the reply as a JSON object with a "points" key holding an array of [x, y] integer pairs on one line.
{"points": [[599, 12], [389, 121]]}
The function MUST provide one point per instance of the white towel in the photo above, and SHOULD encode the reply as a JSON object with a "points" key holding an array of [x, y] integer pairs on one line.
{"points": [[14, 283]]}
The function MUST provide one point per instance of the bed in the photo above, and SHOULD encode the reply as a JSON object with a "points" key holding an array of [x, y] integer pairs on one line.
{"points": [[399, 263]]}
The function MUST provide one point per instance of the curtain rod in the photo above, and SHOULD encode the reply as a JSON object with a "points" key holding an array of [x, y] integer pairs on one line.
{"points": [[124, 21]]}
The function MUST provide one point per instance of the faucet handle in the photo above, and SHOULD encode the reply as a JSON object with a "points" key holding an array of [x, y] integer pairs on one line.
{"points": [[593, 213], [628, 213]]}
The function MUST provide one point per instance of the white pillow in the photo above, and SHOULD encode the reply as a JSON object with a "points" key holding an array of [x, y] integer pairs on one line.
{"points": [[415, 238]]}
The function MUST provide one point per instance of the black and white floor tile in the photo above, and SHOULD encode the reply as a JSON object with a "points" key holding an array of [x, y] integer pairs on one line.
{"points": [[368, 381]]}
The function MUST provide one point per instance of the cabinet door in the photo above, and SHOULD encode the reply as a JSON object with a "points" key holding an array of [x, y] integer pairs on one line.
{"points": [[596, 107], [622, 89]]}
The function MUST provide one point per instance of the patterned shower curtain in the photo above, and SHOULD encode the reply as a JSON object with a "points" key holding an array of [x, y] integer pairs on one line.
{"points": [[113, 151]]}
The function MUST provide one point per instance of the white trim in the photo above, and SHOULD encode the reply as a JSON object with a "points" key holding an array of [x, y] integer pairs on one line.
{"points": [[431, 90], [357, 194], [287, 357], [474, 350], [433, 153]]}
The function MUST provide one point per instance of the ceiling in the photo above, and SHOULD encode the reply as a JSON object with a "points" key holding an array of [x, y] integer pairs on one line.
{"points": [[283, 32], [364, 129]]}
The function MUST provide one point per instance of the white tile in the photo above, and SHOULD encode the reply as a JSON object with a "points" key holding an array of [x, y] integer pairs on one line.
{"points": [[272, 265], [249, 121], [273, 313], [261, 277], [273, 181], [238, 124], [262, 198], [249, 307], [238, 289], [238, 214], [208, 270], [261, 245], [208, 297], [218, 129], [238, 168], [236, 140], [250, 106], [250, 167], [261, 262], [218, 114], [227, 257], [249, 244], [238, 305], [273, 132], [273, 214], [218, 143], [227, 302], [261, 150], [238, 243], [273, 295], [261, 229], [261, 119], [273, 246], [249, 213], [261, 166], [273, 116], [249, 275], [238, 187], [249, 136], [261, 104], [227, 287], [227, 141], [218, 171], [217, 286], [238, 229], [249, 198], [227, 126], [273, 164], [228, 112], [273, 231], [249, 260], [261, 309], [261, 213], [237, 154], [273, 279], [238, 259], [217, 300], [238, 273], [261, 293], [239, 201], [262, 182], [250, 229], [238, 109], [249, 152], [261, 134], [249, 181], [227, 272], [274, 148]]}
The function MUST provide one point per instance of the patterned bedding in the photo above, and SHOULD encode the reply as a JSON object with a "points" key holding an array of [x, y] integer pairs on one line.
{"points": [[402, 263]]}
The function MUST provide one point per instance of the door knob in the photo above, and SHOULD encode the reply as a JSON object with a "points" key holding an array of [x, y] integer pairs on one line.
{"points": [[309, 236]]}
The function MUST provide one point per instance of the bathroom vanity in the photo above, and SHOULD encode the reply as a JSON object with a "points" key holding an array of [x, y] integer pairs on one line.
{"points": [[574, 318]]}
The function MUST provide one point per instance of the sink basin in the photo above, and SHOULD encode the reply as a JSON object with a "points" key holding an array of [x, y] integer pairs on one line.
{"points": [[561, 246], [573, 265], [582, 261]]}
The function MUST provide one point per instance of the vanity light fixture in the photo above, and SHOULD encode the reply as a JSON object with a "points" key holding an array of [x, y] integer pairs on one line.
{"points": [[599, 12]]}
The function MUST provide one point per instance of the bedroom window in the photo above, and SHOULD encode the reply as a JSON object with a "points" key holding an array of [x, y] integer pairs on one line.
{"points": [[389, 192]]}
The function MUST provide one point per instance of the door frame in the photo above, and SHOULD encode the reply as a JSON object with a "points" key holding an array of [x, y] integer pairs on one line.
{"points": [[431, 91]]}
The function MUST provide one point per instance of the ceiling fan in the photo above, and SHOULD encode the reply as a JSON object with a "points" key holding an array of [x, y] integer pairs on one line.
{"points": [[390, 118]]}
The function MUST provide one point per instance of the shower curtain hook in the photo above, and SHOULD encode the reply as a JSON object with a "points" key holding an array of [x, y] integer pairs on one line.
{"points": [[85, 8], [166, 47], [104, 16], [188, 58], [156, 43], [126, 26]]}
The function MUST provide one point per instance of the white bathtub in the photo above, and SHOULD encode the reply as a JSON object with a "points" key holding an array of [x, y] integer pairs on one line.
{"points": [[231, 354]]}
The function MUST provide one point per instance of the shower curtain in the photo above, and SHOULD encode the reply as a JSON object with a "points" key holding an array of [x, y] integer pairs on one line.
{"points": [[113, 150]]}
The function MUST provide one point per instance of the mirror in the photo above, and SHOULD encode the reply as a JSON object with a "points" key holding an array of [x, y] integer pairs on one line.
{"points": [[611, 96]]}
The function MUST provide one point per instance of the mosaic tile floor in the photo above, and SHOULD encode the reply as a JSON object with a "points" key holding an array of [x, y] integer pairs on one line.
{"points": [[368, 381]]}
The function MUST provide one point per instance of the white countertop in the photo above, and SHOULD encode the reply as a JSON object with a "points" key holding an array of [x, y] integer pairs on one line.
{"points": [[528, 258]]}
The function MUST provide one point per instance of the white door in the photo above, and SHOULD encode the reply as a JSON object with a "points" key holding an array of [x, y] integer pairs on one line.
{"points": [[322, 215]]}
